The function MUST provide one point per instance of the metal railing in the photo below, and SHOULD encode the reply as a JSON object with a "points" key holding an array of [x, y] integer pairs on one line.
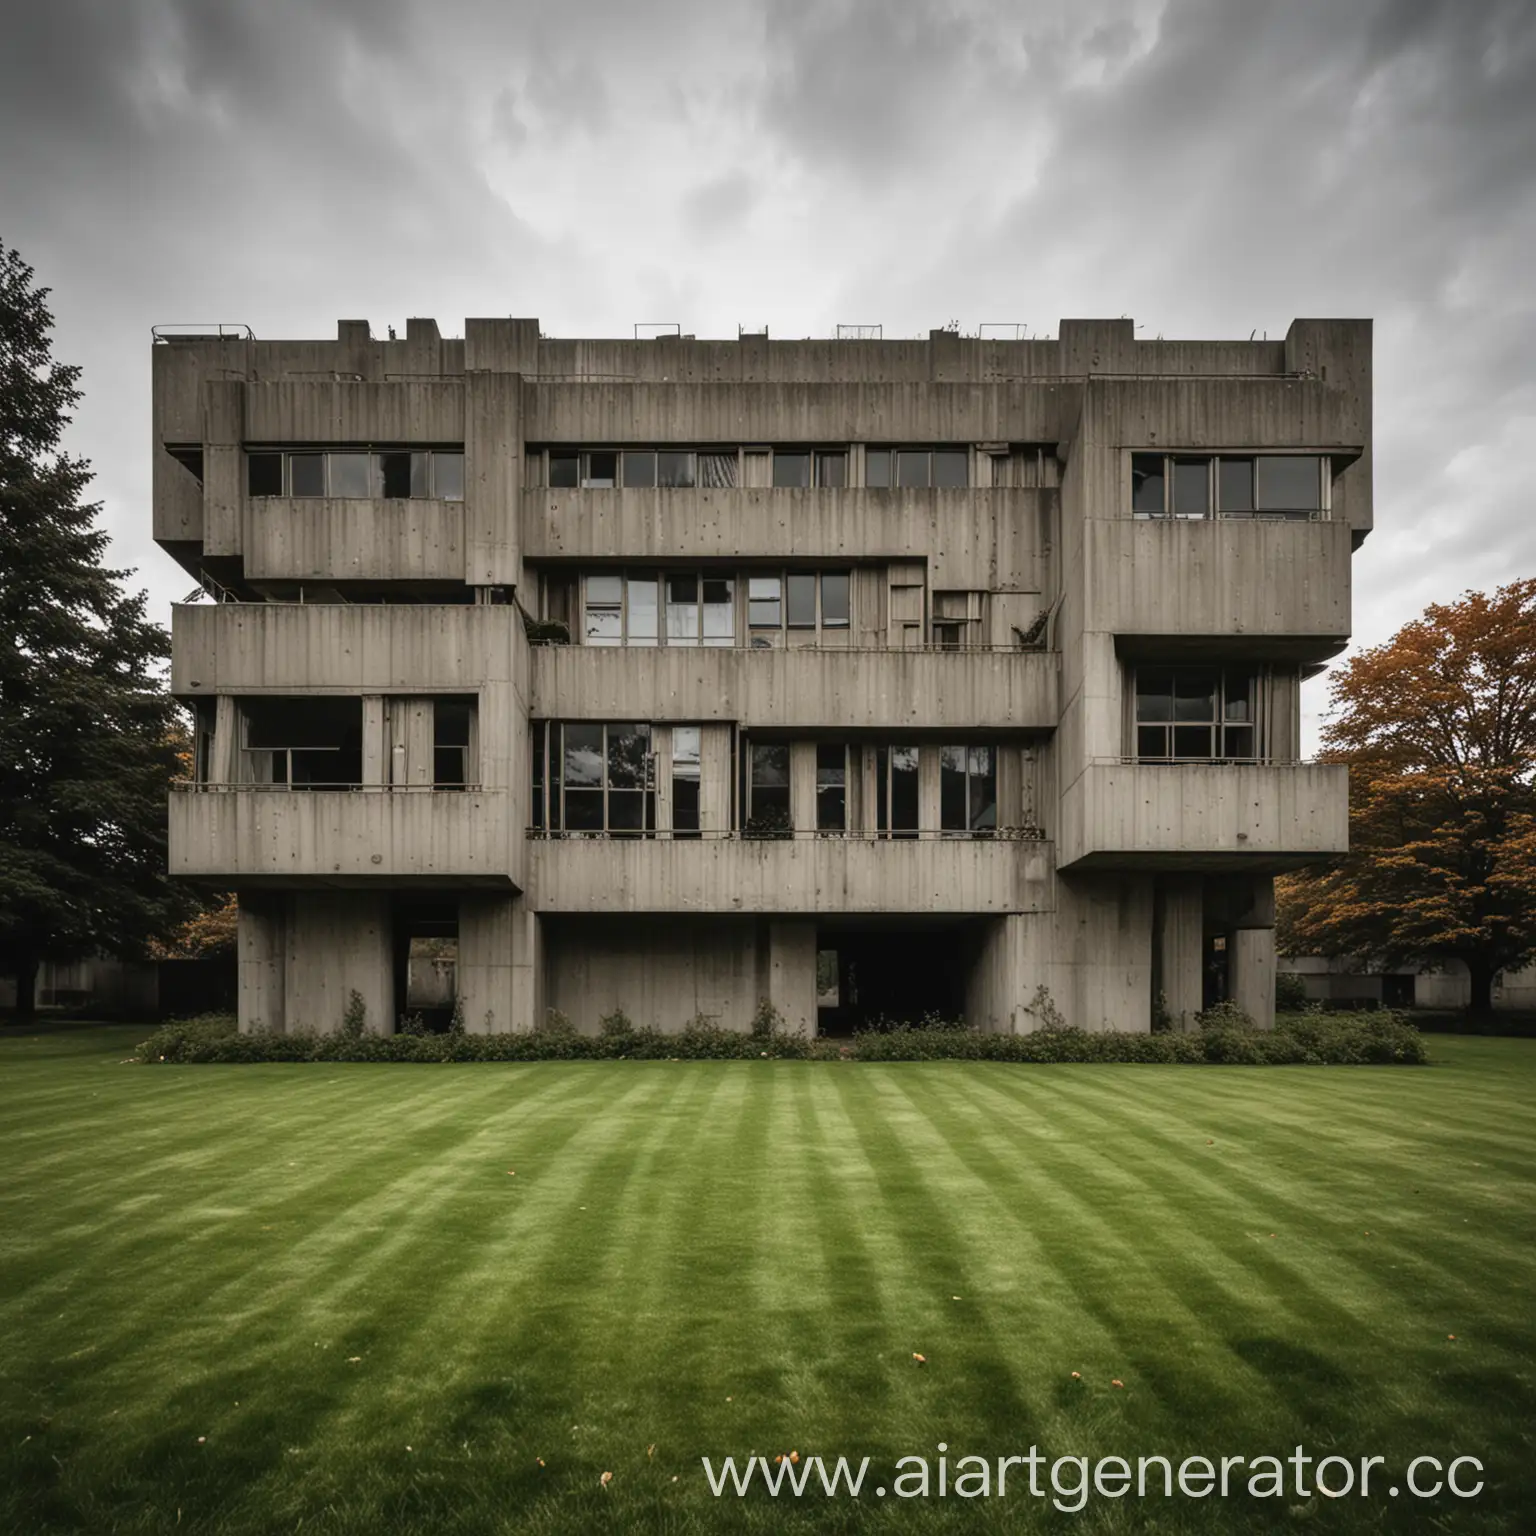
{"points": [[191, 329], [201, 787], [1019, 834]]}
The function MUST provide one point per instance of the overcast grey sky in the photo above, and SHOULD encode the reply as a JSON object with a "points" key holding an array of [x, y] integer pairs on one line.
{"points": [[1210, 167]]}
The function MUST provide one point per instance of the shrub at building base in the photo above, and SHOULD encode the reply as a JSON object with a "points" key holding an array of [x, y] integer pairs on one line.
{"points": [[1311, 1039]]}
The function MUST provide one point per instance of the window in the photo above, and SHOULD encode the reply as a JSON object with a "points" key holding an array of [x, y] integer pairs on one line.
{"points": [[1191, 486], [896, 791], [1195, 716], [304, 743], [686, 766], [618, 609], [594, 779], [831, 786], [355, 473], [768, 812], [623, 608], [957, 621], [798, 600], [917, 468], [968, 790], [640, 469], [451, 721], [801, 468]]}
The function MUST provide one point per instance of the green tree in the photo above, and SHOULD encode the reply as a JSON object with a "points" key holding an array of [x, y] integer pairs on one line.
{"points": [[1438, 726], [87, 729]]}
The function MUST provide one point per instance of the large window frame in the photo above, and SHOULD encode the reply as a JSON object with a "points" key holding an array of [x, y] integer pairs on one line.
{"points": [[356, 472], [797, 602], [593, 778], [1253, 486], [937, 466], [648, 467], [1196, 715], [968, 790], [302, 742], [898, 790], [804, 469]]}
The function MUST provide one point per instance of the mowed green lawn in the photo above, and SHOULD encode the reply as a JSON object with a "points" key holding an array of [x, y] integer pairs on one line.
{"points": [[447, 1299]]}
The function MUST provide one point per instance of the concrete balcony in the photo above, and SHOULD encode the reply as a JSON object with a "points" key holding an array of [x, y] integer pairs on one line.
{"points": [[250, 836], [355, 539], [812, 688], [341, 647], [806, 874], [1280, 589], [1258, 817]]}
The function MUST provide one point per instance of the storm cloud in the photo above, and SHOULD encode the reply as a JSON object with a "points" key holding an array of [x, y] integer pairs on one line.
{"points": [[1210, 167]]}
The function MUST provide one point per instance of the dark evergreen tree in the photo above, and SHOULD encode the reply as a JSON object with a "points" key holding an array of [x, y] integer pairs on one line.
{"points": [[87, 729]]}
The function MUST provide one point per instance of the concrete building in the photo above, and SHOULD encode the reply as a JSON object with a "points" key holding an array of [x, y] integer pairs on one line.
{"points": [[902, 676]]}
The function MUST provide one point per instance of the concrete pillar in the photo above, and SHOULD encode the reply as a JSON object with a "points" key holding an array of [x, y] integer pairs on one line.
{"points": [[714, 778], [376, 767], [529, 996], [792, 974], [1181, 943], [802, 785], [224, 763], [261, 941], [1252, 962], [488, 933], [339, 942]]}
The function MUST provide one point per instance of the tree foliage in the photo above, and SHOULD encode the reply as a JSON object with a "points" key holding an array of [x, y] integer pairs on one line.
{"points": [[86, 726], [1438, 726]]}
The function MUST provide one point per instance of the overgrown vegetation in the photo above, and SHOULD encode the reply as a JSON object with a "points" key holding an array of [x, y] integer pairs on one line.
{"points": [[1379, 1038]]}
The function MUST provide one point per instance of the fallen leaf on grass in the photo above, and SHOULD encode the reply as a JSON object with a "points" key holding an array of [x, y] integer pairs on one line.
{"points": [[1116, 1382], [921, 1359]]}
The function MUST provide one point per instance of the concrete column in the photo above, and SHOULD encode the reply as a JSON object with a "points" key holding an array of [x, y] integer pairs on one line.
{"points": [[1181, 940], [529, 995], [375, 740], [339, 942], [223, 465], [802, 785], [792, 974], [928, 791], [715, 778], [261, 939], [224, 765], [1252, 962], [488, 933]]}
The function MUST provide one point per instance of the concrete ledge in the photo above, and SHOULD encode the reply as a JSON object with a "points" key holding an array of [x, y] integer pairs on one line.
{"points": [[1257, 817], [353, 539], [792, 875], [812, 689], [342, 837]]}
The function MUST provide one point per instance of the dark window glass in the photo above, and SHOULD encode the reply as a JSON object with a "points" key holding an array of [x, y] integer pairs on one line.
{"points": [[1239, 703], [904, 791], [310, 721], [834, 600], [306, 474], [349, 474], [564, 471], [832, 470], [791, 471], [1289, 483], [264, 474], [877, 467], [395, 474], [983, 779], [1238, 741], [1194, 696], [1192, 741], [912, 468], [953, 815], [602, 471], [629, 748], [831, 787], [1191, 487], [764, 606], [674, 468], [951, 467], [719, 610], [1154, 696], [1151, 741], [450, 723], [448, 767], [800, 600], [583, 757], [685, 803], [770, 785], [639, 471], [626, 810], [583, 810], [448, 476], [536, 746], [1235, 489], [1147, 494], [421, 474]]}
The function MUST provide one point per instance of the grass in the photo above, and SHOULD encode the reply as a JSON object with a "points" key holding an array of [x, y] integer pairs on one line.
{"points": [[280, 1298]]}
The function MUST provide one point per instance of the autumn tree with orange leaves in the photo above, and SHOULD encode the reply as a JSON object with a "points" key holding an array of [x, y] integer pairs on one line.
{"points": [[1438, 727]]}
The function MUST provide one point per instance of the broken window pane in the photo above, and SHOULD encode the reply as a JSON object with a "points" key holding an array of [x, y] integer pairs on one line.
{"points": [[674, 468], [1234, 494], [877, 468], [912, 468], [448, 476], [564, 471], [717, 470], [951, 467], [764, 605], [264, 474], [834, 600], [800, 603], [306, 474], [395, 474], [1191, 487], [832, 470], [350, 474], [1147, 494], [1289, 483], [791, 471], [639, 471]]}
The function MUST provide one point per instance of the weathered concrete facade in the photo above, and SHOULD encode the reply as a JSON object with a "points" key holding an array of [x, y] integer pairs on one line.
{"points": [[868, 678]]}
